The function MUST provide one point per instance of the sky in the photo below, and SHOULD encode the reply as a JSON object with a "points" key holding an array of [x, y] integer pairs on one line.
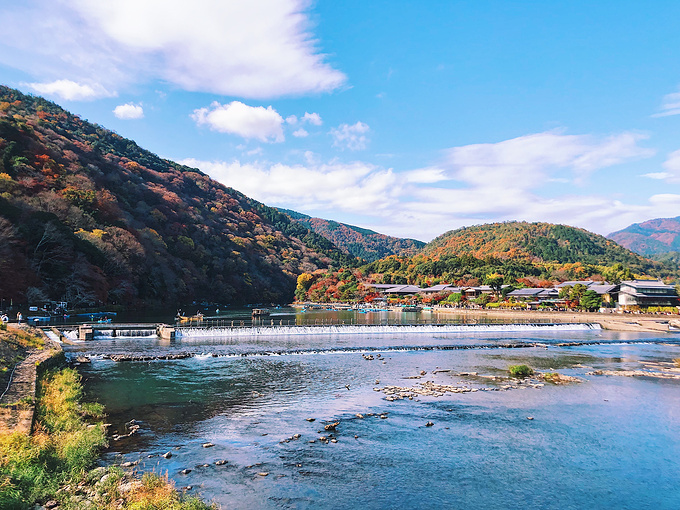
{"points": [[408, 118]]}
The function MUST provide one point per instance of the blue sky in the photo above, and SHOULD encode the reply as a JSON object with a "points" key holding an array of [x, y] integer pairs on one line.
{"points": [[410, 118]]}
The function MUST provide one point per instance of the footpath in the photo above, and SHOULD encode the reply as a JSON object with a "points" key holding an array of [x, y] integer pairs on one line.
{"points": [[17, 405]]}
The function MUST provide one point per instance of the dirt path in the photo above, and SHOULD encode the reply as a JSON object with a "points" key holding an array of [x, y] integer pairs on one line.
{"points": [[17, 403]]}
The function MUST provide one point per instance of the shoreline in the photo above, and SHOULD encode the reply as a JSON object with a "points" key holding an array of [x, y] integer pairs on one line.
{"points": [[642, 323]]}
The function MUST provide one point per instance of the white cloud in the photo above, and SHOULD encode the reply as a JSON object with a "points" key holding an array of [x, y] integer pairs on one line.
{"points": [[350, 137], [129, 111], [300, 133], [264, 124], [354, 187], [257, 49], [292, 120], [313, 118], [672, 165], [71, 91], [658, 175], [670, 105], [472, 184]]}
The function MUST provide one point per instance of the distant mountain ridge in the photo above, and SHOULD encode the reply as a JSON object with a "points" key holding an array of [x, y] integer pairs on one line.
{"points": [[357, 241], [652, 237], [90, 217]]}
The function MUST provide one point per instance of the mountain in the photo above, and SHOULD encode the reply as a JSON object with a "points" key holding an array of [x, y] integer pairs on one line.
{"points": [[360, 242], [535, 242], [89, 217], [652, 237]]}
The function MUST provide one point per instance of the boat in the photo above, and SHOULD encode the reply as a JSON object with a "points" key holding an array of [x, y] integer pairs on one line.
{"points": [[411, 309], [261, 312], [194, 318]]}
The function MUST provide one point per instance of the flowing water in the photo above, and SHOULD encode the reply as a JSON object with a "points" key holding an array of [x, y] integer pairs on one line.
{"points": [[606, 442]]}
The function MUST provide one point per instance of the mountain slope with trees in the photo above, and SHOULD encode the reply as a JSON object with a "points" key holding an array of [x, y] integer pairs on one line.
{"points": [[650, 238], [359, 242], [535, 242], [89, 217]]}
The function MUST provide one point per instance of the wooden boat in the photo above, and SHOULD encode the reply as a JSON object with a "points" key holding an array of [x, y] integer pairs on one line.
{"points": [[261, 312], [194, 318]]}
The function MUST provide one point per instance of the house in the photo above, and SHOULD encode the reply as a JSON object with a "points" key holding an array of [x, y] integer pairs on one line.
{"points": [[644, 293], [535, 294], [608, 292], [402, 290]]}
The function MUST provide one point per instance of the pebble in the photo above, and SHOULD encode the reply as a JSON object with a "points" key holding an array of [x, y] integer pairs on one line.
{"points": [[208, 445], [429, 424], [297, 436], [530, 417], [220, 462], [359, 415], [311, 419], [185, 471], [167, 455], [264, 473]]}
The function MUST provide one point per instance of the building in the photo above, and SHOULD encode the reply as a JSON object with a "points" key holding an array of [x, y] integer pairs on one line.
{"points": [[645, 293]]}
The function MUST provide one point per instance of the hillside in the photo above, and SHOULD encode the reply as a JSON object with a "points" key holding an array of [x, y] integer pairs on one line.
{"points": [[359, 242], [652, 237], [535, 242], [89, 217]]}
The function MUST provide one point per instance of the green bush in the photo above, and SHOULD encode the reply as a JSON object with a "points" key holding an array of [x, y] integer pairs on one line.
{"points": [[520, 371]]}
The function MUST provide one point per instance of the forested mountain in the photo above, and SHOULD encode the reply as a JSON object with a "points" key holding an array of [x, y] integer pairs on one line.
{"points": [[360, 242], [90, 217], [652, 237], [514, 253], [535, 242]]}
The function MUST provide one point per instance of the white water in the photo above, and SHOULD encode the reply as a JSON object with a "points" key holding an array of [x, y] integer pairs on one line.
{"points": [[363, 330], [108, 333]]}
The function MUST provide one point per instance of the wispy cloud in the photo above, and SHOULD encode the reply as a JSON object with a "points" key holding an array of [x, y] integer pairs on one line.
{"points": [[71, 90], [257, 49], [670, 105], [352, 137], [471, 184]]}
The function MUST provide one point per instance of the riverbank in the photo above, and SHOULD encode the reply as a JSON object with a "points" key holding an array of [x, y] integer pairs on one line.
{"points": [[641, 323], [50, 439]]}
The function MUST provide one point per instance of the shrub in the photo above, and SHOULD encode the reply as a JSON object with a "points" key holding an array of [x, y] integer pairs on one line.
{"points": [[520, 371]]}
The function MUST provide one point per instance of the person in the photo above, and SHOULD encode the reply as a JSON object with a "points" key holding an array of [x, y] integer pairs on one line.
{"points": [[19, 317]]}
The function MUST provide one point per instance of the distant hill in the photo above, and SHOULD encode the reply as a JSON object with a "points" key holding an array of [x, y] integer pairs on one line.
{"points": [[534, 242], [652, 237], [89, 217], [360, 242]]}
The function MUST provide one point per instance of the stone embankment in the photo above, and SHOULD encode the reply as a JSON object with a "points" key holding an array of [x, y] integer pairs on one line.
{"points": [[17, 405]]}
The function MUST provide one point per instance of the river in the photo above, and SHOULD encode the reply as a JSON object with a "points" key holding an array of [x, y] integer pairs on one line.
{"points": [[603, 442]]}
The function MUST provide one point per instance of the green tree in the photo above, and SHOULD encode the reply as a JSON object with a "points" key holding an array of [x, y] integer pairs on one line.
{"points": [[591, 300], [495, 281]]}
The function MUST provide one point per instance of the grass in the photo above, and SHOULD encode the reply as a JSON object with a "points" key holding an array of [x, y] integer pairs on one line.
{"points": [[55, 462], [62, 448], [13, 345], [520, 371]]}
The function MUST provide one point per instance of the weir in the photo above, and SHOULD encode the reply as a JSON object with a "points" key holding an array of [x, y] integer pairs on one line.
{"points": [[88, 332], [196, 332]]}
